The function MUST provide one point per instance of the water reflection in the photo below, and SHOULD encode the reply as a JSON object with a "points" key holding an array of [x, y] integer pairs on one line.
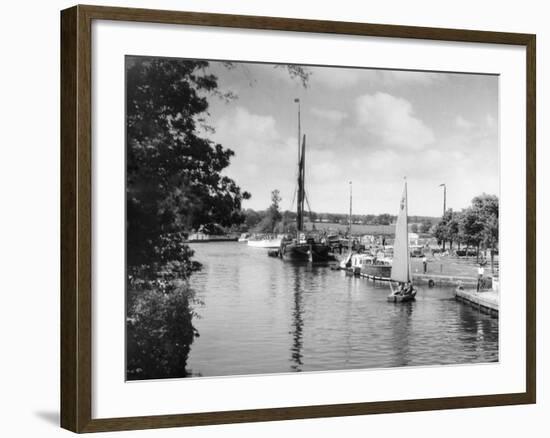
{"points": [[297, 320], [401, 331]]}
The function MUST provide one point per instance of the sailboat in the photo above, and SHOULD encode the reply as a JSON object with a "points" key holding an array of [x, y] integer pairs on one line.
{"points": [[303, 247], [346, 261], [401, 264]]}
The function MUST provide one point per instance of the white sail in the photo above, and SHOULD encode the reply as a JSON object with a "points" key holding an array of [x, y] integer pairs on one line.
{"points": [[400, 270]]}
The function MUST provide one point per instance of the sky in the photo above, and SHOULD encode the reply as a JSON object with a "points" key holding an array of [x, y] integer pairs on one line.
{"points": [[368, 126]]}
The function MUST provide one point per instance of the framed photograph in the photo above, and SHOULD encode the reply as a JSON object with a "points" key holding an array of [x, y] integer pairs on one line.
{"points": [[270, 218]]}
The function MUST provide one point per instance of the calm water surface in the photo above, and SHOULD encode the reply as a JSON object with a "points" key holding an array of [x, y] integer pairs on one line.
{"points": [[263, 315]]}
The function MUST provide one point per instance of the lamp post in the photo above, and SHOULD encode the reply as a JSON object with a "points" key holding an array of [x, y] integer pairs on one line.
{"points": [[444, 197], [444, 205]]}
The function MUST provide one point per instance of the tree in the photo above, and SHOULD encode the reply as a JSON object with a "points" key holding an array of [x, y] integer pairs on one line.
{"points": [[452, 231], [384, 219], [174, 179], [487, 207], [414, 228], [425, 226], [441, 231], [471, 228], [251, 218], [274, 212], [174, 184]]}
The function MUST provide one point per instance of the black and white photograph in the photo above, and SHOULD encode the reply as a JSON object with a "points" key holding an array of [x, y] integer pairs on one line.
{"points": [[285, 218]]}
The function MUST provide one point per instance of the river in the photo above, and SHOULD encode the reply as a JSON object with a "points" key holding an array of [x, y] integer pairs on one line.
{"points": [[262, 315]]}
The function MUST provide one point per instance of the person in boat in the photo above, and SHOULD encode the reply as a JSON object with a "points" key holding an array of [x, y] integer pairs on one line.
{"points": [[405, 288]]}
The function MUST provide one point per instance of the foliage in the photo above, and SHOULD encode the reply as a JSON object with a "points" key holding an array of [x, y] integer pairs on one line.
{"points": [[487, 207], [384, 219], [159, 332], [425, 226], [440, 232], [174, 179], [297, 72], [452, 231], [255, 220], [174, 184], [274, 213], [474, 226]]}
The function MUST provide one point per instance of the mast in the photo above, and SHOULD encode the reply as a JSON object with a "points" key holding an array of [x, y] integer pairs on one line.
{"points": [[350, 215], [301, 187], [350, 206], [297, 100]]}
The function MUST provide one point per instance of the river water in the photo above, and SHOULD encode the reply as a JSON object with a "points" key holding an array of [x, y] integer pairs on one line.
{"points": [[262, 315]]}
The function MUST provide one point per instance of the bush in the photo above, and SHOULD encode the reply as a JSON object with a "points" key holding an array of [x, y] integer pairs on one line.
{"points": [[159, 331]]}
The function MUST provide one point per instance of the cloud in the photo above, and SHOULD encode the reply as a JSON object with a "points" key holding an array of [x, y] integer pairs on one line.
{"points": [[329, 114], [256, 127], [490, 120], [336, 78], [404, 77], [462, 123], [392, 121], [264, 159], [339, 78]]}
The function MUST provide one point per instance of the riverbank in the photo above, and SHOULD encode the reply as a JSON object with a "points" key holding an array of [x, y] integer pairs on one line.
{"points": [[446, 271], [485, 301]]}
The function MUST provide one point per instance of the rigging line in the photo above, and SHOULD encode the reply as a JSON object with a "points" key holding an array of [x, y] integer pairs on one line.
{"points": [[293, 198], [307, 202]]}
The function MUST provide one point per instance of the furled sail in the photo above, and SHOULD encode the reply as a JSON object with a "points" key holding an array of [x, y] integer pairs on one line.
{"points": [[400, 265], [301, 188]]}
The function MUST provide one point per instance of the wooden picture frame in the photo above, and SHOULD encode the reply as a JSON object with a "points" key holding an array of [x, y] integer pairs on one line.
{"points": [[76, 217]]}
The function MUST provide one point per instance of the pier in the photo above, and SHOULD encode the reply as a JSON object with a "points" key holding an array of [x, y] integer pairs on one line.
{"points": [[485, 301]]}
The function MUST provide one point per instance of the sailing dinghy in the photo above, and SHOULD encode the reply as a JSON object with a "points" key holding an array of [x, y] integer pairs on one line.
{"points": [[401, 264]]}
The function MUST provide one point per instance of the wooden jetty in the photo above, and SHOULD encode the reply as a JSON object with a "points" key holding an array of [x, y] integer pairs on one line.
{"points": [[486, 300]]}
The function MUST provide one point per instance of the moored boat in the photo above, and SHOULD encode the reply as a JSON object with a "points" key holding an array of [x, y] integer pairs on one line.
{"points": [[304, 248], [371, 266], [268, 242]]}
